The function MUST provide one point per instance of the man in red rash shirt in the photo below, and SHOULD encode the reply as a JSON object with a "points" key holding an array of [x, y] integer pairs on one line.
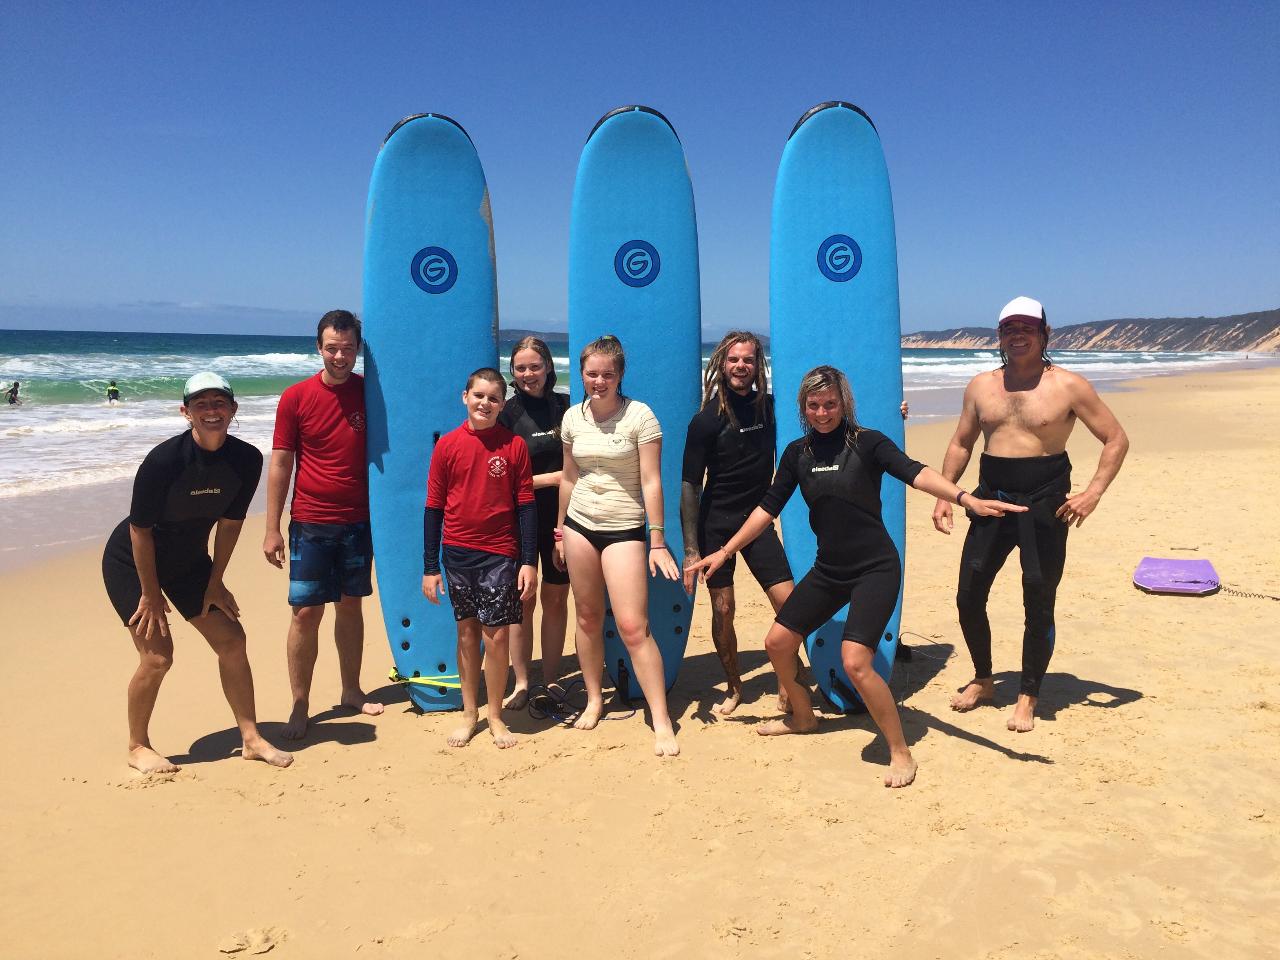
{"points": [[320, 427]]}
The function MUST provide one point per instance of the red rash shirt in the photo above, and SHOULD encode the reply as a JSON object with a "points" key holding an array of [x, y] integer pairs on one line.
{"points": [[324, 427], [478, 478]]}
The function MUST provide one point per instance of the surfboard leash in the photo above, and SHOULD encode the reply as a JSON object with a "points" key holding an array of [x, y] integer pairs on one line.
{"points": [[1246, 594], [547, 704], [449, 681]]}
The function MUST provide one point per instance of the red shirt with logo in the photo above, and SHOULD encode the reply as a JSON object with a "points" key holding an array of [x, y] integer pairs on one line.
{"points": [[324, 426], [478, 478]]}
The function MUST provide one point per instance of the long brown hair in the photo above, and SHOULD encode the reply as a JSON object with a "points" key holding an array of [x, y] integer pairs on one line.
{"points": [[538, 346], [829, 378], [714, 382], [606, 345]]}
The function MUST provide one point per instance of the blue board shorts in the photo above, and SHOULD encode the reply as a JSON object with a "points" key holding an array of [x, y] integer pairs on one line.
{"points": [[482, 586], [329, 561]]}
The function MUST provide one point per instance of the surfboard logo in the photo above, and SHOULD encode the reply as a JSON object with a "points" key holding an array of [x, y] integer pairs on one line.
{"points": [[637, 263], [434, 270], [839, 258]]}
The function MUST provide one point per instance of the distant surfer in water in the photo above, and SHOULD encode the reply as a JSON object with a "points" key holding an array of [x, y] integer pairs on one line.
{"points": [[838, 465], [533, 414], [610, 485], [1025, 412], [480, 506], [731, 442], [320, 430], [12, 393], [113, 393], [186, 486]]}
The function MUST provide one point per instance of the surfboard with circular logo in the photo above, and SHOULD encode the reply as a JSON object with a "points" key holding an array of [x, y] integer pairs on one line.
{"points": [[633, 272], [430, 318], [833, 298]]}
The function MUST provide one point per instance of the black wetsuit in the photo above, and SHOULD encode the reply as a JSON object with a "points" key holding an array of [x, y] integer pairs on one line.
{"points": [[12, 394], [857, 562], [179, 493], [113, 394], [1041, 483], [738, 463], [537, 421]]}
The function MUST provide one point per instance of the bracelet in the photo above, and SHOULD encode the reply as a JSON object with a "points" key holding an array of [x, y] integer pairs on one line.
{"points": [[556, 532], [657, 527], [958, 496], [660, 546]]}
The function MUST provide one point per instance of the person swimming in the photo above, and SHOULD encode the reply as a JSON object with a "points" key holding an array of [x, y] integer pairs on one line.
{"points": [[113, 392]]}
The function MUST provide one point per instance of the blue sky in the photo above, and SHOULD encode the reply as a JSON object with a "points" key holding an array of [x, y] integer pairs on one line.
{"points": [[1114, 160]]}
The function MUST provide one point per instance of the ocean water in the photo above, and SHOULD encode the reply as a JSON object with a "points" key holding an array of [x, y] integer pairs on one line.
{"points": [[65, 435]]}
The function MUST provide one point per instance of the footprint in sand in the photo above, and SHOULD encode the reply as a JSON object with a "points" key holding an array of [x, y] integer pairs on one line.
{"points": [[257, 940]]}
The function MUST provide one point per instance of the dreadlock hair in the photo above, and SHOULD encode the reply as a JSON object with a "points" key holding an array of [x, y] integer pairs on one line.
{"points": [[829, 378], [715, 385], [538, 346], [606, 345], [1044, 344]]}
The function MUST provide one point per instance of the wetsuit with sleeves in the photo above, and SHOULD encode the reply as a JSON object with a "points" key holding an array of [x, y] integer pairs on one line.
{"points": [[736, 456], [1041, 483], [857, 562], [180, 492], [537, 421]]}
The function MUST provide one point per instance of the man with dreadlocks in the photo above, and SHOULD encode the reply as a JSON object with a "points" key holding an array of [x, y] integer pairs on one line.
{"points": [[1025, 411], [731, 441]]}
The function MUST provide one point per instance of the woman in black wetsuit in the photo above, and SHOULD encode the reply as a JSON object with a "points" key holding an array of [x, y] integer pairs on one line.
{"points": [[186, 486], [838, 465], [534, 413]]}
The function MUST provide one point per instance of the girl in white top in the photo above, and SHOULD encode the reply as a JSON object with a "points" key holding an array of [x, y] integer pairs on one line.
{"points": [[610, 482]]}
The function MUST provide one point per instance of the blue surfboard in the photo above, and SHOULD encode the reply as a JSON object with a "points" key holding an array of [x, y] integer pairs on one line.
{"points": [[430, 318], [833, 298], [633, 272]]}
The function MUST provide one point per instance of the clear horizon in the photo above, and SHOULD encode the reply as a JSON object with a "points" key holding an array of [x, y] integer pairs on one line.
{"points": [[1114, 165]]}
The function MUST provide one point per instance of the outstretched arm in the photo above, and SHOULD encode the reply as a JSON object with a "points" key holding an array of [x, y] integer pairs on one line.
{"points": [[1102, 423], [755, 524], [959, 451], [930, 481]]}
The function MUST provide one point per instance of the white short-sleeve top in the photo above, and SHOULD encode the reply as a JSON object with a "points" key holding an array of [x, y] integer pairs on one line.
{"points": [[607, 495]]}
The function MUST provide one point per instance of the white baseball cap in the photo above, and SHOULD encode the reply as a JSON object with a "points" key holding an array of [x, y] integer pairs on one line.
{"points": [[206, 380], [1022, 308]]}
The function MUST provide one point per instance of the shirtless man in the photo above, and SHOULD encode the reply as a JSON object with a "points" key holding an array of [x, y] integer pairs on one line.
{"points": [[731, 441], [1025, 411]]}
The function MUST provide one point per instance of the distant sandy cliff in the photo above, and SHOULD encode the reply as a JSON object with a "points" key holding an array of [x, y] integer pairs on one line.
{"points": [[1249, 332]]}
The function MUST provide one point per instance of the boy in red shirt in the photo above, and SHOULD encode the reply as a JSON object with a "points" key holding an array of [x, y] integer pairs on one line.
{"points": [[480, 494]]}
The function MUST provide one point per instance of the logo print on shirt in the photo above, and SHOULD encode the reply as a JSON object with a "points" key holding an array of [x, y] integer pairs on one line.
{"points": [[497, 466], [357, 421], [834, 466]]}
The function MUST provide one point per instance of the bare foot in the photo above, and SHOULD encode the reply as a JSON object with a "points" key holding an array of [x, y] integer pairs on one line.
{"points": [[145, 760], [463, 734], [296, 728], [973, 694], [664, 742], [589, 717], [261, 750], [789, 724], [357, 701], [902, 770], [502, 737], [730, 702], [1023, 718], [519, 697]]}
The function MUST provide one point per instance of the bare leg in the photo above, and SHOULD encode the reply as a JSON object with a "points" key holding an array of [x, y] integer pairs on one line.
{"points": [[348, 636], [586, 577], [973, 694], [875, 693], [626, 575], [555, 620], [496, 659], [725, 639], [777, 595], [783, 647], [1023, 718], [521, 644], [469, 678], [302, 646], [155, 657], [227, 639]]}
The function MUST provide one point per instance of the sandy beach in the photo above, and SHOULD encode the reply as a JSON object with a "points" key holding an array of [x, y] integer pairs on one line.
{"points": [[1138, 820]]}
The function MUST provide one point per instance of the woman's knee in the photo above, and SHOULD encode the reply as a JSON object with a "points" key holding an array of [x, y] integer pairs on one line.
{"points": [[590, 616], [156, 661], [780, 642], [555, 599], [634, 631], [858, 662]]}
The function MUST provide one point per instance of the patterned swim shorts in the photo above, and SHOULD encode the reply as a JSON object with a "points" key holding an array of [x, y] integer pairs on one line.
{"points": [[482, 585]]}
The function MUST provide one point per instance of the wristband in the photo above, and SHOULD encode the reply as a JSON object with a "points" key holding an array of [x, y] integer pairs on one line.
{"points": [[659, 546], [555, 532], [658, 526], [958, 496]]}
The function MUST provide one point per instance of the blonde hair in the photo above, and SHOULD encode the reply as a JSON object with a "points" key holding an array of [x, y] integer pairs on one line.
{"points": [[713, 378], [829, 378], [609, 346]]}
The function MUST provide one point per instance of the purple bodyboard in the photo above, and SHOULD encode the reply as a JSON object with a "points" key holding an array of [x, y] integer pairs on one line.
{"points": [[1194, 578]]}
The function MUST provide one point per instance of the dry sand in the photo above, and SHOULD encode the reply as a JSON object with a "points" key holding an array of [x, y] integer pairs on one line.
{"points": [[1138, 820]]}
